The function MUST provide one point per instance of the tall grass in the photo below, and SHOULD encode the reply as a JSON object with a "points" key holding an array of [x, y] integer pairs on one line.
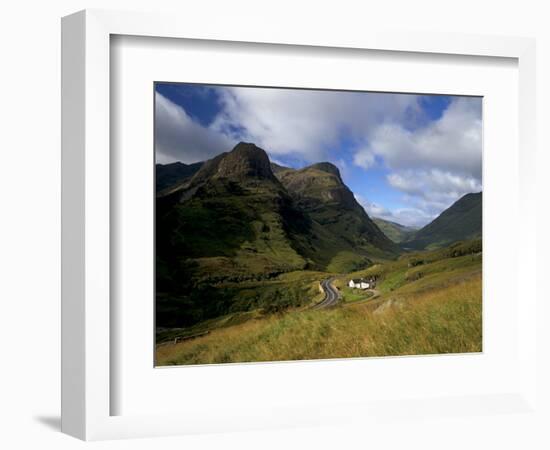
{"points": [[442, 320]]}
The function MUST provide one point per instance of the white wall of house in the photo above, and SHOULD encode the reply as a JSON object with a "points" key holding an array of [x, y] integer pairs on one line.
{"points": [[359, 285]]}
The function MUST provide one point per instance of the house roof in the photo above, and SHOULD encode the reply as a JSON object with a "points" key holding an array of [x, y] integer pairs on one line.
{"points": [[359, 280]]}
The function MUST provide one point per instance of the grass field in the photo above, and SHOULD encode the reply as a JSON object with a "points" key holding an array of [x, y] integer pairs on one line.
{"points": [[429, 302], [253, 299], [447, 320], [350, 295]]}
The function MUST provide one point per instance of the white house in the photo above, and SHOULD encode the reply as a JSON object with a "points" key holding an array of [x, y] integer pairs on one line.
{"points": [[359, 283]]}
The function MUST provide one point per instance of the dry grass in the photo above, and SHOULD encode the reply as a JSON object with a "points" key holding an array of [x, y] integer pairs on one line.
{"points": [[441, 320]]}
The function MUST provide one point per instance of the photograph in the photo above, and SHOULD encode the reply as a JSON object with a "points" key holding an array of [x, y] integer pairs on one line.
{"points": [[298, 224]]}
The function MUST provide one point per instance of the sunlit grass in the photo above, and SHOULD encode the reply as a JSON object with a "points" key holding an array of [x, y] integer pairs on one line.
{"points": [[441, 320], [354, 295]]}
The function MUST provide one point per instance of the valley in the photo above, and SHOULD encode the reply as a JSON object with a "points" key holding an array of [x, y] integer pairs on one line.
{"points": [[254, 260], [419, 308]]}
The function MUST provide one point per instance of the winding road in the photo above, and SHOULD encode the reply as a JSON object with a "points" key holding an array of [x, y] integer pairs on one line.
{"points": [[331, 295]]}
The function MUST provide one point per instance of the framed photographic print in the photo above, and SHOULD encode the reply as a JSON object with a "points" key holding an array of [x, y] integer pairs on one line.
{"points": [[258, 226], [353, 228]]}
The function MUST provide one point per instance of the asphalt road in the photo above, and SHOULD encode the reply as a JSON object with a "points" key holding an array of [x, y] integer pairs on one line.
{"points": [[331, 295]]}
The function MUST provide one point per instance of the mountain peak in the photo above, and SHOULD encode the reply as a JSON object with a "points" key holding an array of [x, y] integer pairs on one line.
{"points": [[326, 167], [320, 192], [247, 147], [246, 159]]}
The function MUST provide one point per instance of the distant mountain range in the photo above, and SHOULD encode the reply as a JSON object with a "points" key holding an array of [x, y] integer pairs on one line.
{"points": [[395, 231]]}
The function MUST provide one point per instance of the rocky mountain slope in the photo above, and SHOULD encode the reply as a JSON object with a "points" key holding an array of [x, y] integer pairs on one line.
{"points": [[319, 191]]}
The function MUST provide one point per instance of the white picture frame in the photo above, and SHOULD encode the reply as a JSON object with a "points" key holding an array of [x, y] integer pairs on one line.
{"points": [[87, 386]]}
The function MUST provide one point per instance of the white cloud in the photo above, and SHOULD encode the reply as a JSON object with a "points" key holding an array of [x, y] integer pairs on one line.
{"points": [[450, 144], [432, 162], [427, 194], [307, 124], [179, 138], [433, 165], [413, 217], [364, 158], [434, 184]]}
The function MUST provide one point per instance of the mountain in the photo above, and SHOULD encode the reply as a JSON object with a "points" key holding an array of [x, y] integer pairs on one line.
{"points": [[460, 221], [235, 219], [319, 191], [168, 175], [276, 168], [235, 223], [232, 219], [393, 230]]}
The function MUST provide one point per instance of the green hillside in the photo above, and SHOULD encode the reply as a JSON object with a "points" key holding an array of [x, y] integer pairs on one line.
{"points": [[235, 224], [395, 231], [462, 220], [426, 303]]}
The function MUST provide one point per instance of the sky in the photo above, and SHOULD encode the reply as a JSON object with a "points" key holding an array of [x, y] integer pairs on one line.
{"points": [[405, 157]]}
